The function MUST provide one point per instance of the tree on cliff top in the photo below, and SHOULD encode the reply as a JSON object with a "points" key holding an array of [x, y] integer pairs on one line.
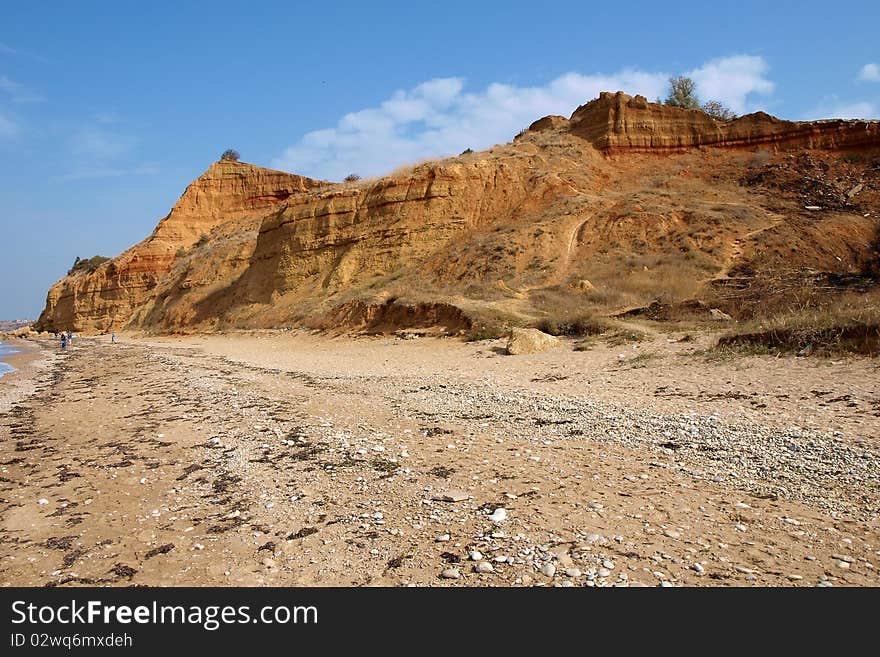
{"points": [[683, 94], [230, 154]]}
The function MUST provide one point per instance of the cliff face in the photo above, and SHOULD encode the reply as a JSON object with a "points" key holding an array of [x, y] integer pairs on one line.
{"points": [[521, 228], [616, 121], [229, 192]]}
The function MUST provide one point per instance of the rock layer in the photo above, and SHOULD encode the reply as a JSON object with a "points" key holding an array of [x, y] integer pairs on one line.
{"points": [[617, 121], [228, 192]]}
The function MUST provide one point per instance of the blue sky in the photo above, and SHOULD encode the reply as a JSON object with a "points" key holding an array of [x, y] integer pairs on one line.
{"points": [[109, 109]]}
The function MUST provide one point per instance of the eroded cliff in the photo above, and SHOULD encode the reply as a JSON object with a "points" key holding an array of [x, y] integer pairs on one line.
{"points": [[545, 222], [229, 194]]}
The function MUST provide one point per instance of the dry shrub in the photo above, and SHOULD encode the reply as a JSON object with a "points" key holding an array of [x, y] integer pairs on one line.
{"points": [[831, 329], [579, 325]]}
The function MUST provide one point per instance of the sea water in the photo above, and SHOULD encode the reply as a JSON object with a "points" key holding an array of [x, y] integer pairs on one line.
{"points": [[4, 351]]}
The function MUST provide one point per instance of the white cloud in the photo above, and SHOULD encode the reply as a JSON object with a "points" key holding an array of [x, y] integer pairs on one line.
{"points": [[731, 80], [18, 92], [870, 73], [8, 128], [439, 117], [832, 107]]}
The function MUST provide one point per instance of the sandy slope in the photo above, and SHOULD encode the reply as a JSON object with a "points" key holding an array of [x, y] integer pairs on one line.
{"points": [[289, 459]]}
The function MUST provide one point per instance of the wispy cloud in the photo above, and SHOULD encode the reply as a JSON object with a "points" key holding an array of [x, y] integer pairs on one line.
{"points": [[18, 92], [92, 173], [7, 49], [832, 107], [8, 127], [439, 117], [101, 145], [869, 73], [96, 150]]}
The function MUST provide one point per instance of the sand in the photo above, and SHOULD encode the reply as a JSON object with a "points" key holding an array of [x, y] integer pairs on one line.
{"points": [[293, 459]]}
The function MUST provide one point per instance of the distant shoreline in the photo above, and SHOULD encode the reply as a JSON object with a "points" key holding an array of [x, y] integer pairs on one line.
{"points": [[27, 362]]}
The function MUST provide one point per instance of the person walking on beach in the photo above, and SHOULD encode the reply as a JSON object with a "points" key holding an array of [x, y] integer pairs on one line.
{"points": [[112, 337], [63, 341], [70, 336]]}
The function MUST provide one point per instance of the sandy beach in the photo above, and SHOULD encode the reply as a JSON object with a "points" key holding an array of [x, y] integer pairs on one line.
{"points": [[292, 459]]}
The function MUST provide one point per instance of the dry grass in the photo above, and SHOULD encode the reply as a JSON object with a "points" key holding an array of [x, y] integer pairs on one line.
{"points": [[830, 329]]}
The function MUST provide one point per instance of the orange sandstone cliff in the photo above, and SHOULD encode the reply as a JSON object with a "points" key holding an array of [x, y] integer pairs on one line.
{"points": [[621, 204], [231, 194]]}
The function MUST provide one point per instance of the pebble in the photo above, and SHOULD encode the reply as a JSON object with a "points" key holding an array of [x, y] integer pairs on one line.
{"points": [[744, 570], [498, 515], [699, 568], [476, 555], [548, 569], [450, 496], [603, 572], [843, 564], [450, 573], [671, 533], [607, 563], [484, 567], [572, 572], [269, 505], [42, 500], [740, 527], [443, 538]]}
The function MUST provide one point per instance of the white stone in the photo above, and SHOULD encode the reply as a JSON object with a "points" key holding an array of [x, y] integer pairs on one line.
{"points": [[498, 515]]}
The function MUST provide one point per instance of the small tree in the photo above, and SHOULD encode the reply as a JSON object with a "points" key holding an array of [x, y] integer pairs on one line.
{"points": [[682, 93], [718, 111], [352, 177], [230, 154]]}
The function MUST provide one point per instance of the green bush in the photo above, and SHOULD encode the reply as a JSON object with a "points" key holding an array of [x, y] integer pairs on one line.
{"points": [[89, 265]]}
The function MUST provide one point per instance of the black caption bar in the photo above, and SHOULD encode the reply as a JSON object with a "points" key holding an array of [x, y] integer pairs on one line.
{"points": [[137, 620]]}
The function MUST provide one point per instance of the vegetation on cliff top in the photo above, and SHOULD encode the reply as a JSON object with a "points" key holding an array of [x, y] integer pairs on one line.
{"points": [[89, 265], [683, 94]]}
